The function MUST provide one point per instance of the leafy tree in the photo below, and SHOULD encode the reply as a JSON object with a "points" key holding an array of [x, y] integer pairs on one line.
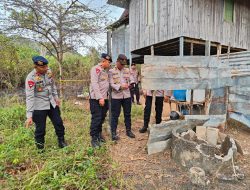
{"points": [[15, 63], [59, 27]]}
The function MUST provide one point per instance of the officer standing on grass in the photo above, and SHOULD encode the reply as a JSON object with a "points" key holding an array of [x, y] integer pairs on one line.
{"points": [[99, 87], [42, 101], [120, 80]]}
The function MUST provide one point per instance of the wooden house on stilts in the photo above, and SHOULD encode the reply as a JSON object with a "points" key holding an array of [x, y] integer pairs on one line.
{"points": [[194, 31]]}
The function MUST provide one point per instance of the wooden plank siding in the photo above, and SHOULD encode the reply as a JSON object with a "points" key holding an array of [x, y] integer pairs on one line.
{"points": [[191, 18], [188, 72], [120, 41]]}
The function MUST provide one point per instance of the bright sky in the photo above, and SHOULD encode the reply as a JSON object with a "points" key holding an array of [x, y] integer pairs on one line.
{"points": [[115, 13]]}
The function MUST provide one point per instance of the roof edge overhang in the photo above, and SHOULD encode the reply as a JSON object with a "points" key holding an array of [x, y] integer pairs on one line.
{"points": [[119, 3]]}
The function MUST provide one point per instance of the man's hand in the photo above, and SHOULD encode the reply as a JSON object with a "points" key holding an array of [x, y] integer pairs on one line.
{"points": [[101, 102], [124, 86], [58, 102], [29, 122], [166, 99]]}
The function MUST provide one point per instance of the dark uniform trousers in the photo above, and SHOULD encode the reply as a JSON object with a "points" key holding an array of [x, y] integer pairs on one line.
{"points": [[98, 114], [158, 109], [39, 118], [135, 91], [116, 105]]}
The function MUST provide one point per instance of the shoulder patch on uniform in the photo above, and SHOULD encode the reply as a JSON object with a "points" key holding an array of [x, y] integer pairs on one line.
{"points": [[31, 83], [97, 71]]}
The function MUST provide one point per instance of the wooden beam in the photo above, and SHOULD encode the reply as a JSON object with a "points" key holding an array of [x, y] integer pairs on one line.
{"points": [[208, 48], [192, 91], [219, 50], [208, 92], [152, 50], [153, 93], [181, 53], [199, 42]]}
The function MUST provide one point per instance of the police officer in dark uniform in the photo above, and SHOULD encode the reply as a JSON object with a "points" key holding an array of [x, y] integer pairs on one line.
{"points": [[99, 87], [120, 80], [42, 101]]}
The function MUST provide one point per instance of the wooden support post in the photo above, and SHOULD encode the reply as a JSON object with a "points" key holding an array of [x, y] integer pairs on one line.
{"points": [[191, 48], [152, 50], [227, 88], [110, 90], [218, 50], [192, 91], [208, 92], [207, 48], [181, 44], [153, 94]]}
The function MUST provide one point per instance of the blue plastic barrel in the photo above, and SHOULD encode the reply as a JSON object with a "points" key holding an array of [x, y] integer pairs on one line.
{"points": [[180, 95]]}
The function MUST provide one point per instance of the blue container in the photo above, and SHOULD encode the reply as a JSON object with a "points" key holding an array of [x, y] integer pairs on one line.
{"points": [[180, 95]]}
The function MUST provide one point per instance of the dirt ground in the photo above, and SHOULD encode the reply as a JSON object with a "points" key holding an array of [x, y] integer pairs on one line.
{"points": [[159, 171]]}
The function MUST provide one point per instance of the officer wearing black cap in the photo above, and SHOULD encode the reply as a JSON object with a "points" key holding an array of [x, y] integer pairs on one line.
{"points": [[42, 101], [99, 87], [120, 80]]}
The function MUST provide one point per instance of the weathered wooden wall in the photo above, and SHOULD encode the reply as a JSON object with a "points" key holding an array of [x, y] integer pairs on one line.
{"points": [[191, 18], [120, 42], [188, 72]]}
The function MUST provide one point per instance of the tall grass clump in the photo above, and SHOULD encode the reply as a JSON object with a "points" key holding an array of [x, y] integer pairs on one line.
{"points": [[77, 166]]}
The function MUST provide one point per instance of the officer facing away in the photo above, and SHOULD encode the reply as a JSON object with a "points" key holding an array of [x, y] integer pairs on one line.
{"points": [[159, 97], [99, 87], [42, 101], [134, 90], [119, 80]]}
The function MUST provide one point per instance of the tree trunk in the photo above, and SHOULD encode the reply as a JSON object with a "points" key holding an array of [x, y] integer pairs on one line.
{"points": [[60, 60]]}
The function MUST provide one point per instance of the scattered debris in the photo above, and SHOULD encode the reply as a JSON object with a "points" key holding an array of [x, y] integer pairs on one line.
{"points": [[197, 142], [197, 176]]}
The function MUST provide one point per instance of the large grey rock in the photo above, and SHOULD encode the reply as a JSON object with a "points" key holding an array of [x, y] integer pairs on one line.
{"points": [[192, 154], [163, 131], [160, 146]]}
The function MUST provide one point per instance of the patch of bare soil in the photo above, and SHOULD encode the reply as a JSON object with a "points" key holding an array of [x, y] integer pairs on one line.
{"points": [[159, 171]]}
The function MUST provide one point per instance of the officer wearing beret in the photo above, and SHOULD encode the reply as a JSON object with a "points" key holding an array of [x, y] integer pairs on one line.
{"points": [[99, 87], [119, 80], [42, 101]]}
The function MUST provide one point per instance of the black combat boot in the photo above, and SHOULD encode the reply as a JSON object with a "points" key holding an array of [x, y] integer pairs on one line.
{"points": [[130, 134], [95, 143], [40, 145], [114, 136], [143, 129], [61, 142], [101, 138]]}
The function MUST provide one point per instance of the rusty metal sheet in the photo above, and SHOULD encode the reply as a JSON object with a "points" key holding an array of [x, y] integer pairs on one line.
{"points": [[188, 72]]}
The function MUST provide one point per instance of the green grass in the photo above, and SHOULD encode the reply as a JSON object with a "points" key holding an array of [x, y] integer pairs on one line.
{"points": [[77, 166]]}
